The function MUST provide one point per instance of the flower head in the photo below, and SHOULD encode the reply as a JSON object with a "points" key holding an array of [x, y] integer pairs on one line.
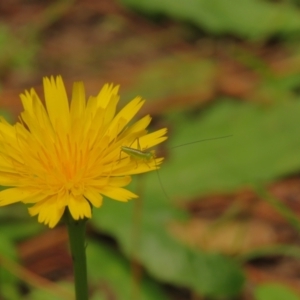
{"points": [[68, 154]]}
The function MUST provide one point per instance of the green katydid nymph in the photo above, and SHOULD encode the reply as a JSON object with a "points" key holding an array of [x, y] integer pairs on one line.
{"points": [[145, 156], [138, 154]]}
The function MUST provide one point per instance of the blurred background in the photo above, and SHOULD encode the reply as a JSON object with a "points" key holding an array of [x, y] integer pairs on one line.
{"points": [[220, 219]]}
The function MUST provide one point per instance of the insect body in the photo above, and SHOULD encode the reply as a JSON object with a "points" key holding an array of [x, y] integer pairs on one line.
{"points": [[146, 157], [138, 154]]}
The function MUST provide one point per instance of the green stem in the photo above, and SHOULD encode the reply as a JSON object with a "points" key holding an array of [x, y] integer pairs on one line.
{"points": [[76, 230]]}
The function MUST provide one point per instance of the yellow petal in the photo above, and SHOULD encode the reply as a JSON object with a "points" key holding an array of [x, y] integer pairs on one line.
{"points": [[56, 101], [152, 139], [79, 207], [105, 94], [94, 197], [138, 126], [78, 101], [13, 195], [118, 194], [47, 211]]}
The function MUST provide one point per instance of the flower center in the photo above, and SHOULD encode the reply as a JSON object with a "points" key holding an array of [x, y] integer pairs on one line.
{"points": [[74, 187]]}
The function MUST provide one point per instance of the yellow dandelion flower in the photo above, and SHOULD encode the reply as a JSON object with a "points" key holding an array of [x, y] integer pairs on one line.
{"points": [[68, 154]]}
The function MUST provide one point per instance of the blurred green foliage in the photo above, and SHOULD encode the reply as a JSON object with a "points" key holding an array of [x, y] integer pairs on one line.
{"points": [[18, 49], [8, 282], [248, 19], [274, 292], [108, 266]]}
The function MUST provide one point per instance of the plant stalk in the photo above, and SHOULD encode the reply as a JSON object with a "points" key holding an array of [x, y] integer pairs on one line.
{"points": [[76, 230]]}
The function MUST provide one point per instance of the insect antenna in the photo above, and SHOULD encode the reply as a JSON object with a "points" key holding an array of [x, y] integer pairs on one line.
{"points": [[185, 144], [160, 182], [204, 140]]}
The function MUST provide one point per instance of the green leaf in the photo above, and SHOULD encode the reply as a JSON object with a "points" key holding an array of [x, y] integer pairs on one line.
{"points": [[216, 275], [108, 268], [8, 282], [264, 146], [163, 256], [274, 292], [66, 290], [252, 19], [16, 224]]}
